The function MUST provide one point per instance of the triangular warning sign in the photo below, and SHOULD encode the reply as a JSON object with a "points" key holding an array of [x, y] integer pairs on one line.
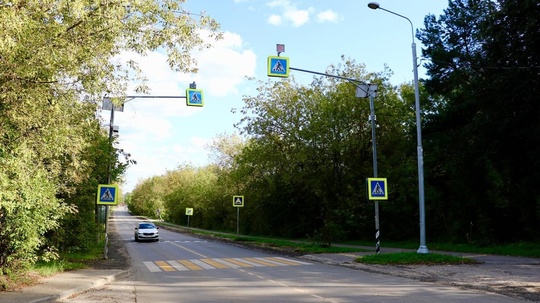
{"points": [[238, 201], [377, 190], [278, 67], [107, 196]]}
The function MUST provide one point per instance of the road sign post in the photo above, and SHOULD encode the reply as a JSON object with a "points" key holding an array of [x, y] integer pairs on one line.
{"points": [[377, 190], [189, 213], [238, 201]]}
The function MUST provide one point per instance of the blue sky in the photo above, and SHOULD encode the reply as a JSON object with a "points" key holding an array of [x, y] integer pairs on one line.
{"points": [[162, 134]]}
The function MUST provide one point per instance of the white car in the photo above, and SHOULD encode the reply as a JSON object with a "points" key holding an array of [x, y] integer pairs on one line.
{"points": [[146, 231]]}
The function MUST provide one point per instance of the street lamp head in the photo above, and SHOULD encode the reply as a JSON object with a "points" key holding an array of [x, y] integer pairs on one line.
{"points": [[373, 5]]}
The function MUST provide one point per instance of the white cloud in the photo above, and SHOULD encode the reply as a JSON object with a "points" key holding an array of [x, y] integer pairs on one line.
{"points": [[225, 65], [275, 20], [327, 16], [290, 12], [147, 126], [221, 68], [297, 17]]}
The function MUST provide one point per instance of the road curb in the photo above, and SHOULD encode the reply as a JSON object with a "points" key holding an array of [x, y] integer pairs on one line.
{"points": [[79, 289]]}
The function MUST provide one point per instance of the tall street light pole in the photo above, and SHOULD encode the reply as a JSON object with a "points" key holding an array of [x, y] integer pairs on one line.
{"points": [[423, 248]]}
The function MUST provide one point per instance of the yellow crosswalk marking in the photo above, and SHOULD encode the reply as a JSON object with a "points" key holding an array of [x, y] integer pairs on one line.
{"points": [[260, 262], [190, 265], [214, 263], [207, 263], [233, 261], [164, 265]]}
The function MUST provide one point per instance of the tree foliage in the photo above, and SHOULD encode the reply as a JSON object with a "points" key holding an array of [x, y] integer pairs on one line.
{"points": [[306, 149], [312, 151], [484, 139], [58, 58], [304, 160]]}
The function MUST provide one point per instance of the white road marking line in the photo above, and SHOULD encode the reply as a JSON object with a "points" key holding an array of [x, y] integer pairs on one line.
{"points": [[177, 265], [191, 251], [202, 264], [266, 259], [152, 267], [249, 262], [226, 263]]}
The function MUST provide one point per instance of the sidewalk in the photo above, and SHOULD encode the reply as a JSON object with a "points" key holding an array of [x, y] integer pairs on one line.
{"points": [[62, 286]]}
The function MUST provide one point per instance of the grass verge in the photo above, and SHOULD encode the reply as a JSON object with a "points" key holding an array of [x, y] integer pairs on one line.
{"points": [[287, 245], [524, 249], [531, 250], [66, 262], [413, 258]]}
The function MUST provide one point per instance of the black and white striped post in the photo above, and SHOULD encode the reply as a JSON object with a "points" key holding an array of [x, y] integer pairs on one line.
{"points": [[362, 91]]}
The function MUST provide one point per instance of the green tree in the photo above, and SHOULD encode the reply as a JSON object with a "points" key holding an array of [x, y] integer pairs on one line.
{"points": [[58, 60], [303, 165], [310, 153], [481, 143], [225, 153], [148, 196]]}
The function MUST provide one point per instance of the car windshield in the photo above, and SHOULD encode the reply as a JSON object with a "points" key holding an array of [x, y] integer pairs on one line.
{"points": [[147, 226]]}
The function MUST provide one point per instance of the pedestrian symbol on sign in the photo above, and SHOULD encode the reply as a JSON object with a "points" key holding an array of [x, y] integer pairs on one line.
{"points": [[378, 190], [107, 196], [278, 67]]}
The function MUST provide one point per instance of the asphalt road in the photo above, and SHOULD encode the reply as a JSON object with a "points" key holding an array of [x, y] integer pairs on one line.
{"points": [[183, 268]]}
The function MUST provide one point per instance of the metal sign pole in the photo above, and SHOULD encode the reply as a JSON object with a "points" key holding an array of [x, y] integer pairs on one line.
{"points": [[237, 221], [374, 143], [363, 90]]}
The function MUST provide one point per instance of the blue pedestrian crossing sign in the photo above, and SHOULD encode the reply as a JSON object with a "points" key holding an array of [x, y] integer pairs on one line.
{"points": [[194, 97], [238, 201], [278, 66], [107, 194], [377, 189]]}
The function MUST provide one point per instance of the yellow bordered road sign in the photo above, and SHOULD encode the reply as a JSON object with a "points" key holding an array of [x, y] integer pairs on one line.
{"points": [[194, 97], [278, 66], [238, 201], [377, 189], [107, 194]]}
